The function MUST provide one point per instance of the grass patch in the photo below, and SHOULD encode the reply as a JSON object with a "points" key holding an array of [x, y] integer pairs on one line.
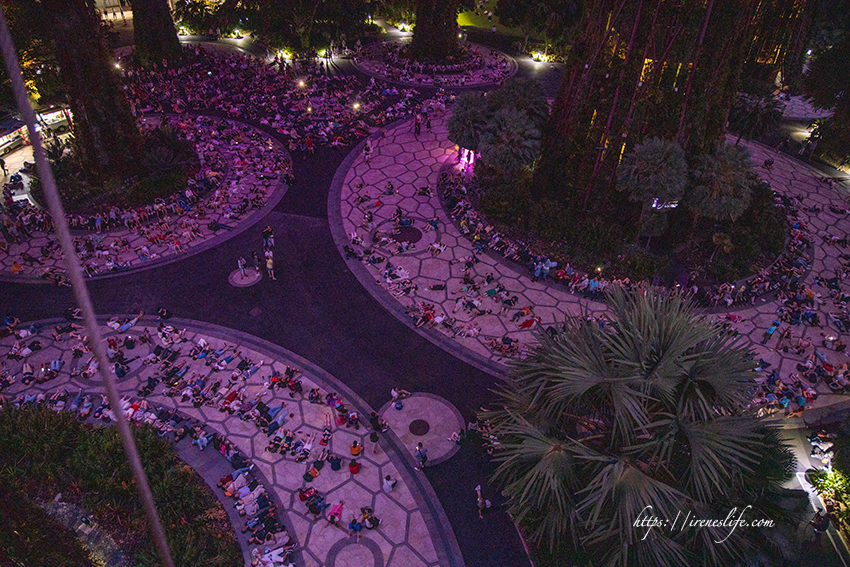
{"points": [[473, 20]]}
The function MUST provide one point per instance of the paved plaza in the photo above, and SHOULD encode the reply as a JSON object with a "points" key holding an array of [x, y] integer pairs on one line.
{"points": [[349, 329], [434, 267], [246, 163], [410, 163], [411, 533]]}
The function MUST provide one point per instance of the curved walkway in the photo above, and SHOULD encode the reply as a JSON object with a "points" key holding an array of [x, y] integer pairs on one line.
{"points": [[497, 67], [250, 158], [414, 530], [410, 163]]}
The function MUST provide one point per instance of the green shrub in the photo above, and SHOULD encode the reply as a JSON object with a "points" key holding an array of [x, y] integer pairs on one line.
{"points": [[42, 453], [30, 536]]}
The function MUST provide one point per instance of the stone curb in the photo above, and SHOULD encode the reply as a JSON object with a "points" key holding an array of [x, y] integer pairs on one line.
{"points": [[367, 280], [446, 546], [225, 235]]}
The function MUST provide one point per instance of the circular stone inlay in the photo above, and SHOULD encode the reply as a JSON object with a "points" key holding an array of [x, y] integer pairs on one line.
{"points": [[354, 554], [409, 234], [419, 427], [252, 277]]}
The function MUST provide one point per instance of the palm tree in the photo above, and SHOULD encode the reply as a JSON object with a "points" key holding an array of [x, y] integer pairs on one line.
{"points": [[753, 116], [511, 141], [468, 120], [654, 174], [525, 95], [597, 424], [721, 241], [722, 184]]}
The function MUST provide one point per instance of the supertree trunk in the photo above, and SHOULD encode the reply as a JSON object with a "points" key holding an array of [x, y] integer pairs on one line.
{"points": [[156, 38], [435, 34], [634, 74], [104, 128]]}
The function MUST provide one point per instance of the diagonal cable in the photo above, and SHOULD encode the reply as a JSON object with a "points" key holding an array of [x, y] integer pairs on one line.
{"points": [[80, 290]]}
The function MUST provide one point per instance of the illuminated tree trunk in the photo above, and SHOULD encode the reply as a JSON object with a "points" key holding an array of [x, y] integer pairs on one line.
{"points": [[153, 28], [104, 128], [628, 77], [435, 34]]}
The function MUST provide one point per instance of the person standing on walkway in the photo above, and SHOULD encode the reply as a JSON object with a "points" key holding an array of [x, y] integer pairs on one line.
{"points": [[3, 167], [421, 456], [374, 437], [256, 259], [270, 267], [268, 237], [241, 263], [820, 523], [482, 503]]}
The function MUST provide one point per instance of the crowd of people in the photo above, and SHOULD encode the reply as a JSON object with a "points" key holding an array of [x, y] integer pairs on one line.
{"points": [[481, 295], [199, 374], [476, 65], [301, 101], [240, 168], [458, 193]]}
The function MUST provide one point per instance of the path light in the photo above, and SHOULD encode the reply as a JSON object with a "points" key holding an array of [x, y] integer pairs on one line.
{"points": [[300, 83], [309, 109], [356, 106], [599, 269], [117, 65]]}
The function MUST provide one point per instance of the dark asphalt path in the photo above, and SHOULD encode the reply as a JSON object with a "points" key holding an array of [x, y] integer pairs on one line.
{"points": [[320, 311], [317, 309]]}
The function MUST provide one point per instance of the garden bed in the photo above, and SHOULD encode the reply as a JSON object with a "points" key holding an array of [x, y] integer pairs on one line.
{"points": [[608, 251], [167, 166], [43, 453]]}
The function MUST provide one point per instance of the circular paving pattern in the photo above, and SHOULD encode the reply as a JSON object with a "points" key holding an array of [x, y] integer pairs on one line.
{"points": [[350, 553], [388, 236], [250, 278], [495, 68], [409, 234], [427, 419], [419, 427]]}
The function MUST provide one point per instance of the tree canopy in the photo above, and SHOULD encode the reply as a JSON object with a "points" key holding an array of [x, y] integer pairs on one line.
{"points": [[722, 183], [655, 171], [600, 422], [468, 120]]}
